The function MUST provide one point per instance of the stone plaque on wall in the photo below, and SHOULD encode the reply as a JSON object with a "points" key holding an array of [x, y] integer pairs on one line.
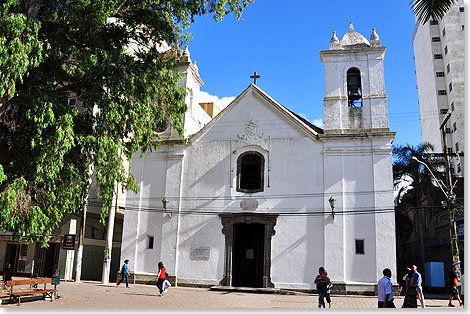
{"points": [[200, 253]]}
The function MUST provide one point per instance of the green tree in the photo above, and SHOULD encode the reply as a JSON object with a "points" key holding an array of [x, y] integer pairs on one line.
{"points": [[107, 53], [415, 181], [427, 9]]}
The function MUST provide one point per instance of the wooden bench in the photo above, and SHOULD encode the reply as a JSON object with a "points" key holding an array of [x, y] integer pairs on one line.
{"points": [[30, 282]]}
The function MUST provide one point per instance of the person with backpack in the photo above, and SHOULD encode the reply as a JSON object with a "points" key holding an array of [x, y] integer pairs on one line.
{"points": [[161, 277], [124, 273]]}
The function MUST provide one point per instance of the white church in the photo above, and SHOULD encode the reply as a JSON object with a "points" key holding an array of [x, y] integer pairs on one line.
{"points": [[257, 196]]}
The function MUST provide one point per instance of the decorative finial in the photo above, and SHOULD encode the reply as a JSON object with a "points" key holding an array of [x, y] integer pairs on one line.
{"points": [[351, 27], [334, 42], [195, 65], [186, 51], [374, 39], [334, 39]]}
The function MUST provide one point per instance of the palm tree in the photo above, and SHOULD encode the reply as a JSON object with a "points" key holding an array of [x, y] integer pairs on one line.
{"points": [[414, 181], [426, 9]]}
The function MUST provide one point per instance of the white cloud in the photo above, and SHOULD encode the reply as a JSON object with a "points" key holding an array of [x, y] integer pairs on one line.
{"points": [[316, 122], [220, 102]]}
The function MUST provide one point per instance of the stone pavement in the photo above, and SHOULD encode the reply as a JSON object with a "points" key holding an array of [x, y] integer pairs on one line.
{"points": [[94, 295]]}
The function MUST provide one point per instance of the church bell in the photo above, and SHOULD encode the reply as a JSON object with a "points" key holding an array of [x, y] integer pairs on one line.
{"points": [[354, 86]]}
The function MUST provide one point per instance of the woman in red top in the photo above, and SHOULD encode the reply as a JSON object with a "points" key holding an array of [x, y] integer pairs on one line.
{"points": [[161, 276]]}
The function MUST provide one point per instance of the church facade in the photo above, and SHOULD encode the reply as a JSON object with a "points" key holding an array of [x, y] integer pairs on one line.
{"points": [[260, 197]]}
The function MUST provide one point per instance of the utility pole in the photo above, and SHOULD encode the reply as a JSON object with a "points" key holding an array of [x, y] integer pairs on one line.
{"points": [[450, 198]]}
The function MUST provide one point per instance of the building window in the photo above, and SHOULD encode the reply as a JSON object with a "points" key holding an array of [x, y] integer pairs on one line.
{"points": [[461, 9], [452, 107], [434, 22], [459, 169], [450, 87], [438, 56], [436, 39], [457, 147], [354, 87], [455, 126], [250, 172], [72, 102], [360, 246], [449, 150], [440, 74], [150, 242], [444, 32], [448, 68], [444, 111], [442, 92], [462, 27], [445, 50]]}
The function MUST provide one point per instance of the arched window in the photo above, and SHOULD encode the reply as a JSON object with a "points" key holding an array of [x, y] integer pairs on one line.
{"points": [[354, 87], [250, 172]]}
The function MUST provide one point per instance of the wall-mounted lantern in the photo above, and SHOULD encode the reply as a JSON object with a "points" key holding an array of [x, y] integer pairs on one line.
{"points": [[332, 202]]}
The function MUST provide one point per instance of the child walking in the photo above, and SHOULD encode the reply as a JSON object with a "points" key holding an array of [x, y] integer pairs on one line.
{"points": [[124, 273]]}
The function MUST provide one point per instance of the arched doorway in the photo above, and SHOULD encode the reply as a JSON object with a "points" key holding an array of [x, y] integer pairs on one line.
{"points": [[248, 249]]}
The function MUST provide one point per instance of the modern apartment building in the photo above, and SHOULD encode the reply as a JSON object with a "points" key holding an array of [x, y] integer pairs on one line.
{"points": [[439, 58]]}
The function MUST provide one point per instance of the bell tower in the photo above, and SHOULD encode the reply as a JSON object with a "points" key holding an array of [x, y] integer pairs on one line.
{"points": [[355, 100]]}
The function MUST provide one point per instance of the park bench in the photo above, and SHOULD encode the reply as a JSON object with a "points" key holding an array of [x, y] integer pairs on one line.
{"points": [[32, 291]]}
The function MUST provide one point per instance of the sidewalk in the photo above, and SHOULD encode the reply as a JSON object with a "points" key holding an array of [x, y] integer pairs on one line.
{"points": [[94, 295]]}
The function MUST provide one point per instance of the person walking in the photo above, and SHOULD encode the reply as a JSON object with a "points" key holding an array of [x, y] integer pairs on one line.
{"points": [[328, 289], [322, 282], [410, 291], [454, 279], [461, 289], [403, 283], [418, 280], [384, 290], [124, 273], [161, 276]]}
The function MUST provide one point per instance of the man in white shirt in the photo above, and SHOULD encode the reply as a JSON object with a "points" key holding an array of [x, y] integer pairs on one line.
{"points": [[384, 290]]}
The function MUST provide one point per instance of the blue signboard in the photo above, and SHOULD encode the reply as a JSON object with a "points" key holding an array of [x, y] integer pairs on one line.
{"points": [[459, 224]]}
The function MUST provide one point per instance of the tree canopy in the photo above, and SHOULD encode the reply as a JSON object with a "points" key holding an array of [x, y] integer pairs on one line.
{"points": [[427, 9], [106, 53], [410, 175]]}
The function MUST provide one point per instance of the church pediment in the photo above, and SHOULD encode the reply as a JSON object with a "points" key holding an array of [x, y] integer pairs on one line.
{"points": [[254, 116]]}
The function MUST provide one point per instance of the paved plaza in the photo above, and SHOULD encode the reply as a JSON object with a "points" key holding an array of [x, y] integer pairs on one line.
{"points": [[94, 295]]}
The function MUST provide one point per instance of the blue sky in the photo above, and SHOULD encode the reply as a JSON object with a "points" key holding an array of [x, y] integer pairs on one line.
{"points": [[281, 40]]}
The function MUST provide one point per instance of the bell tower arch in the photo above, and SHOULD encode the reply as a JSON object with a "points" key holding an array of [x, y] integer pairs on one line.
{"points": [[355, 100]]}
